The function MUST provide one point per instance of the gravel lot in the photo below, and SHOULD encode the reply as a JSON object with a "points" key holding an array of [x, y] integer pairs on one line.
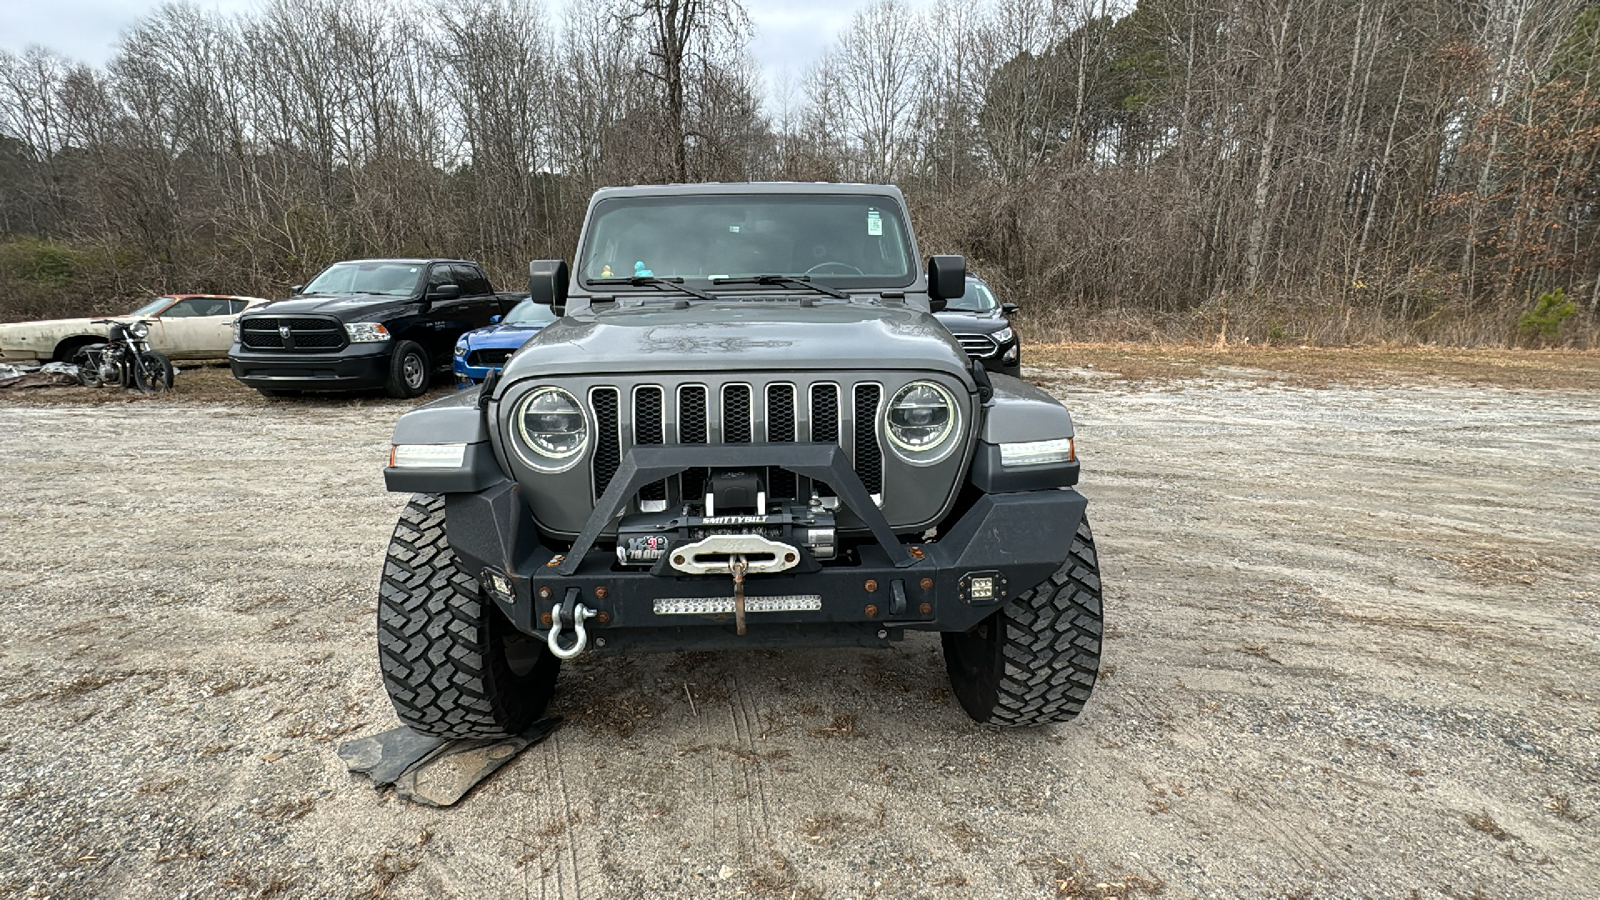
{"points": [[1352, 634]]}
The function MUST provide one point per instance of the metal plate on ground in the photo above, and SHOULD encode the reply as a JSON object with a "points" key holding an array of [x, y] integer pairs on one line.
{"points": [[385, 757], [436, 771]]}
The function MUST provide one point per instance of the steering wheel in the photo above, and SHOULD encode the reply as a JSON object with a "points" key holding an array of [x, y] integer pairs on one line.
{"points": [[841, 265]]}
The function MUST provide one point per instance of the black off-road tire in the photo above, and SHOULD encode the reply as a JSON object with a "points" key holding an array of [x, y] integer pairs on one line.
{"points": [[410, 371], [1035, 660], [453, 666]]}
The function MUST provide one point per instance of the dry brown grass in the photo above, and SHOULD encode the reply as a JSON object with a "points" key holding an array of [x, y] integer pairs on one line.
{"points": [[1316, 366], [1072, 880], [1485, 823], [1562, 806]]}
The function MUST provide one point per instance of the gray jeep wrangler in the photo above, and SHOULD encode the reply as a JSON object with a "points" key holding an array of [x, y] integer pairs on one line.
{"points": [[744, 430]]}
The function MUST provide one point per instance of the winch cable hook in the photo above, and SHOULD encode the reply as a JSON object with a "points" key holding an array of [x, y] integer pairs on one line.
{"points": [[738, 565]]}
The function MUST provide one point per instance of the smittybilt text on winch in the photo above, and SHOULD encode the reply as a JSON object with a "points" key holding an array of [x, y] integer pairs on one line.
{"points": [[744, 430]]}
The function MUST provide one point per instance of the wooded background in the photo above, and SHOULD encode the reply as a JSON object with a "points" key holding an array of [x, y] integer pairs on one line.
{"points": [[1285, 171]]}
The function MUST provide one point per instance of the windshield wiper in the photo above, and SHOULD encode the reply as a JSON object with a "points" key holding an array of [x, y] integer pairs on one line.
{"points": [[670, 284], [803, 281]]}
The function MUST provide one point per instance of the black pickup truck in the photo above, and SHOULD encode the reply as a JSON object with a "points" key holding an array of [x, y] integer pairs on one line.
{"points": [[365, 324]]}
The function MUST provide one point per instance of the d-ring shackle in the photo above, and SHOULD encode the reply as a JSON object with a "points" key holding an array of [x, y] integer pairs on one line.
{"points": [[579, 613]]}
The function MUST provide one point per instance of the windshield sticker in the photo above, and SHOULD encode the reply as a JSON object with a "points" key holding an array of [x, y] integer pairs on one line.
{"points": [[874, 223], [734, 229]]}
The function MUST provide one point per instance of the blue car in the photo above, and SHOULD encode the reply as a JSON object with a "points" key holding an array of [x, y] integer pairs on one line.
{"points": [[486, 349]]}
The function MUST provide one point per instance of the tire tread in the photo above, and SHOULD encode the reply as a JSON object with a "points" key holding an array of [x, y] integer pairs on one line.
{"points": [[434, 645]]}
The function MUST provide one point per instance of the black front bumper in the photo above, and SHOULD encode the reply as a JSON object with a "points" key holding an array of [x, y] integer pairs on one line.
{"points": [[360, 366], [1015, 540]]}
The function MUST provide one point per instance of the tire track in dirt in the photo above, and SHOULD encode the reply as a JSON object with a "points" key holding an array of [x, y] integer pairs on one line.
{"points": [[758, 809], [575, 870]]}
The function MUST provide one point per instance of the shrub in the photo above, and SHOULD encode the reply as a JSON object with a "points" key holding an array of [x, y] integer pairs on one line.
{"points": [[1549, 311]]}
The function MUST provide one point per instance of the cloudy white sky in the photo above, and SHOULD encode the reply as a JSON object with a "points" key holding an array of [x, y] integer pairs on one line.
{"points": [[788, 35]]}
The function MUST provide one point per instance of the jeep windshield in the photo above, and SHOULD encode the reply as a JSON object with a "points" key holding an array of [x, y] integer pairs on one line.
{"points": [[841, 240], [392, 279]]}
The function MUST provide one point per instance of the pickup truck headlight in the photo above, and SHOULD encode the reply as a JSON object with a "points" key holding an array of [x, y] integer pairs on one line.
{"points": [[552, 425], [365, 332], [920, 421], [1003, 335], [236, 331]]}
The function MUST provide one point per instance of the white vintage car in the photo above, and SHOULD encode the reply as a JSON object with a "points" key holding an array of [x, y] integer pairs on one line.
{"points": [[184, 326]]}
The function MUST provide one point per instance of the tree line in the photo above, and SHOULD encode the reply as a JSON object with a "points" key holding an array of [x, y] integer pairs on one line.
{"points": [[1323, 171]]}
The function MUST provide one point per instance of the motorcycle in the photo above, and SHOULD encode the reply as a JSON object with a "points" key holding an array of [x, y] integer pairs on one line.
{"points": [[125, 359]]}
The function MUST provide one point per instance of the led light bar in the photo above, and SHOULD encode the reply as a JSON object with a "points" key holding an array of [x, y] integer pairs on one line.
{"points": [[428, 456], [1037, 453], [711, 606]]}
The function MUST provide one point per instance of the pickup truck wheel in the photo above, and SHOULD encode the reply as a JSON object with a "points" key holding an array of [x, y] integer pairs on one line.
{"points": [[1035, 660], [409, 371], [453, 666]]}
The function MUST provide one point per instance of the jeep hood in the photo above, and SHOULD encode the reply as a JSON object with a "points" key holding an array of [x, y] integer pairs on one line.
{"points": [[740, 336]]}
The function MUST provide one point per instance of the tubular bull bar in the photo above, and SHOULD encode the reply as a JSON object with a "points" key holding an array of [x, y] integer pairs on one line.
{"points": [[1003, 544]]}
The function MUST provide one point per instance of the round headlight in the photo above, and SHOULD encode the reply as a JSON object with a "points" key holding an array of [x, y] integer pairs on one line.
{"points": [[921, 417], [139, 329], [552, 425]]}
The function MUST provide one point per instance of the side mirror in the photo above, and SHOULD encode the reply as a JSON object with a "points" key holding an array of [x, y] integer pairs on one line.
{"points": [[294, 291], [1008, 308], [947, 279], [445, 292], [494, 320], [547, 284]]}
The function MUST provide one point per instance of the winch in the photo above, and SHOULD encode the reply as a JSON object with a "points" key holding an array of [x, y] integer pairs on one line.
{"points": [[732, 519], [644, 539]]}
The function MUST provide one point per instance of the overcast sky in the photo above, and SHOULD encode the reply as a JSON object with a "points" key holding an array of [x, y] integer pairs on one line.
{"points": [[788, 35]]}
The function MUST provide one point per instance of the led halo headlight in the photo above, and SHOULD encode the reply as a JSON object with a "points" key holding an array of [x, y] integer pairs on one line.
{"points": [[139, 329], [551, 423], [920, 421]]}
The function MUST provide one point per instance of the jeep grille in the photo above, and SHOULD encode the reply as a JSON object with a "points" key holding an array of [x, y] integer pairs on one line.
{"points": [[727, 413]]}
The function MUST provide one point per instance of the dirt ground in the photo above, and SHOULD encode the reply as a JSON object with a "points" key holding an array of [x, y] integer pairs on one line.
{"points": [[1352, 625]]}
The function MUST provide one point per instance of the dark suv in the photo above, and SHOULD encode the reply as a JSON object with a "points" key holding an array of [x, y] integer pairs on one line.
{"points": [[744, 430], [983, 326], [364, 324]]}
